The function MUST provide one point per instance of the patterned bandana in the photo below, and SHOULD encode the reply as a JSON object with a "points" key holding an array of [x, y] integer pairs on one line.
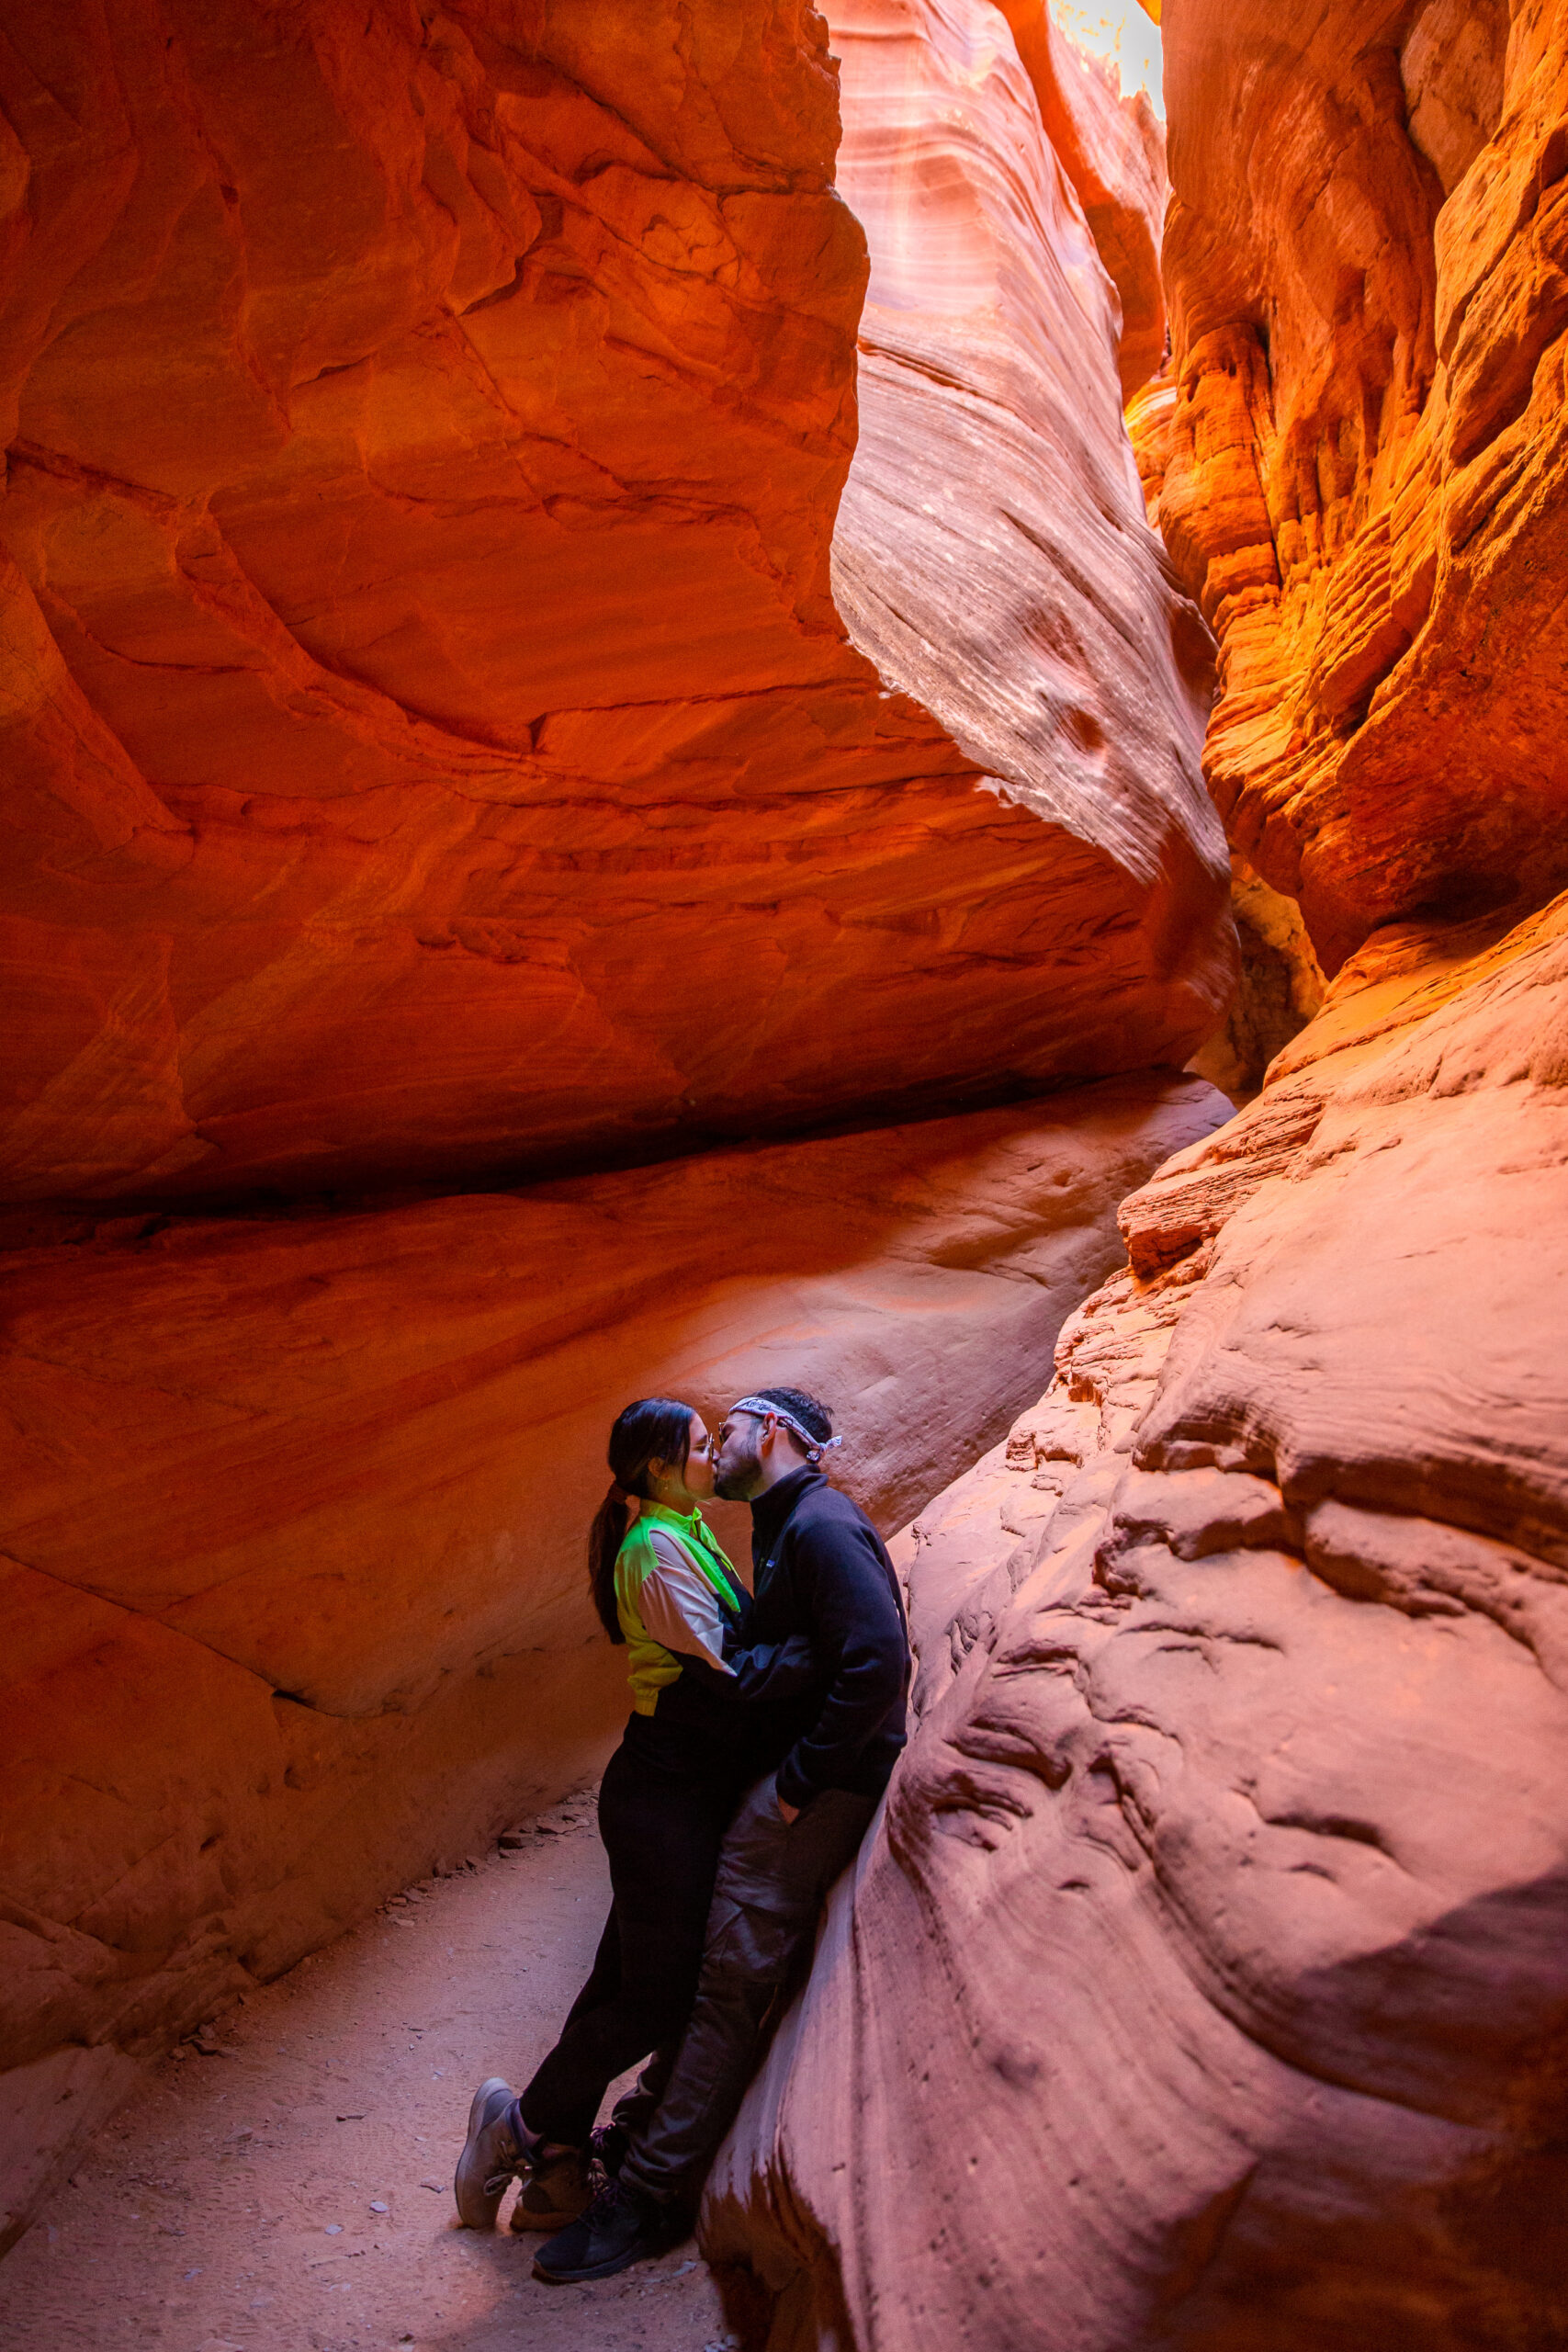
{"points": [[816, 1447]]}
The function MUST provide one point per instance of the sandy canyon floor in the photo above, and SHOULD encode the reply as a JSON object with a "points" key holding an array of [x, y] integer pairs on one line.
{"points": [[292, 2192]]}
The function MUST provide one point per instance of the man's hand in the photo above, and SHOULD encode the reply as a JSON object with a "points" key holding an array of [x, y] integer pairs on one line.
{"points": [[788, 1814]]}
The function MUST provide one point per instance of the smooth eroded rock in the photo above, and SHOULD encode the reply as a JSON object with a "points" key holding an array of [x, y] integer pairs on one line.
{"points": [[292, 1554], [1203, 1982], [434, 749], [1112, 149]]}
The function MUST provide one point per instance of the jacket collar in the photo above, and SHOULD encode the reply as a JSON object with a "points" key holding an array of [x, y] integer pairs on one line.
{"points": [[770, 1511], [690, 1521]]}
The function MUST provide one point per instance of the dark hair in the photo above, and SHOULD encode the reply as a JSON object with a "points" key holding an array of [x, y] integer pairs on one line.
{"points": [[654, 1428], [810, 1411]]}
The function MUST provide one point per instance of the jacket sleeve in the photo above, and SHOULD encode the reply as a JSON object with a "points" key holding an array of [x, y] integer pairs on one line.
{"points": [[858, 1629], [766, 1670]]}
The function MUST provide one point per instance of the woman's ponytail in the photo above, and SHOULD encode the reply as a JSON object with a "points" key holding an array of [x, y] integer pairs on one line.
{"points": [[605, 1539], [656, 1429]]}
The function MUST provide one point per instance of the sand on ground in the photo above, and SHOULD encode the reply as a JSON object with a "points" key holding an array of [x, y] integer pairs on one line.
{"points": [[293, 2193]]}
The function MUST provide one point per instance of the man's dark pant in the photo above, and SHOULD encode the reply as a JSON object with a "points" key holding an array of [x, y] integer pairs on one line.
{"points": [[772, 1876]]}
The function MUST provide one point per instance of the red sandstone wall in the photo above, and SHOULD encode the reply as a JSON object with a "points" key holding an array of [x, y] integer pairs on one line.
{"points": [[989, 552], [291, 1559], [1204, 1982], [433, 744], [1204, 1979], [1366, 489]]}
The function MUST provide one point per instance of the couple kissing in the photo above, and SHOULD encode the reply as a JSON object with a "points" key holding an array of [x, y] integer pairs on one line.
{"points": [[763, 1730]]}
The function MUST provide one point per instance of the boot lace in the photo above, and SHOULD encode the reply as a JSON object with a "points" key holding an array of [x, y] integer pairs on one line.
{"points": [[519, 2169]]}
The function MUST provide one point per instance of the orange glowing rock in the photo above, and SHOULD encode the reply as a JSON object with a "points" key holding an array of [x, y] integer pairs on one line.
{"points": [[1368, 477], [296, 1509], [432, 745]]}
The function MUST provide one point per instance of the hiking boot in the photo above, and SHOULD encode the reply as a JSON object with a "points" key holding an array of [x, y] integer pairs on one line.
{"points": [[609, 2142], [623, 2225], [555, 2189], [491, 2156]]}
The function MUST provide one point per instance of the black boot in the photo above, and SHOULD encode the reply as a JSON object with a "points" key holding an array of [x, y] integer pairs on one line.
{"points": [[623, 2225]]}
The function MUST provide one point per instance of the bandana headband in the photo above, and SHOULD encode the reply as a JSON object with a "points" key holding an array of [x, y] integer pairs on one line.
{"points": [[816, 1447]]}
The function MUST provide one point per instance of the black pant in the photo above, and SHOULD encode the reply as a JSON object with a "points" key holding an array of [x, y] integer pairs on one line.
{"points": [[773, 1880], [664, 1805]]}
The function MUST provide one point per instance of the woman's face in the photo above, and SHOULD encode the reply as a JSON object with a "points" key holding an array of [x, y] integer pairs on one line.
{"points": [[699, 1462], [695, 1484]]}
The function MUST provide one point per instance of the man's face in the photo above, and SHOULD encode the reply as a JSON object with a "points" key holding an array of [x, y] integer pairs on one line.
{"points": [[737, 1465]]}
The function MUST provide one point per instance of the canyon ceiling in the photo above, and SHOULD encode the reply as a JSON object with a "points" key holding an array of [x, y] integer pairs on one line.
{"points": [[639, 715]]}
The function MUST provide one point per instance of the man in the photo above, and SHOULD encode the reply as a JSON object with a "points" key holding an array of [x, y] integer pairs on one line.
{"points": [[820, 1569]]}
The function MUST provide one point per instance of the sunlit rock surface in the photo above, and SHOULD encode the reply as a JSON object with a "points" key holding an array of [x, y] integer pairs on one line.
{"points": [[1112, 150], [433, 747], [980, 455], [1203, 1983], [1367, 485], [295, 1511]]}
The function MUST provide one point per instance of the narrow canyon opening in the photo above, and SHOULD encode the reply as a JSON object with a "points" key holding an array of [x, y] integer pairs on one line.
{"points": [[698, 696]]}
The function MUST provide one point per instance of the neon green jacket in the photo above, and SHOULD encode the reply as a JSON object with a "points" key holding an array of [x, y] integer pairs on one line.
{"points": [[654, 1668]]}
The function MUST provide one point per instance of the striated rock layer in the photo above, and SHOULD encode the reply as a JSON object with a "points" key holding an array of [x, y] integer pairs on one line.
{"points": [[431, 744], [1204, 1981], [1367, 484], [1112, 150], [986, 285], [294, 1516]]}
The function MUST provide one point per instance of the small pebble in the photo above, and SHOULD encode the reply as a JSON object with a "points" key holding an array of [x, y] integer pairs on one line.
{"points": [[378, 2208], [332, 2230]]}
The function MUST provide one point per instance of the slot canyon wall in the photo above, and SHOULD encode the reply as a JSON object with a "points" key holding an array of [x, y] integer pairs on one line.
{"points": [[1204, 1981], [461, 729], [420, 505], [1363, 483]]}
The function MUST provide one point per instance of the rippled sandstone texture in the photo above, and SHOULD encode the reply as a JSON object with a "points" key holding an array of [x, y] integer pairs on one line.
{"points": [[1112, 150], [292, 1560], [1204, 1981], [1368, 482], [433, 744], [986, 285]]}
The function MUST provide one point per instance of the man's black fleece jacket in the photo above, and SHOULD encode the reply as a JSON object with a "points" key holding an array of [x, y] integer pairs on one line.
{"points": [[821, 1569]]}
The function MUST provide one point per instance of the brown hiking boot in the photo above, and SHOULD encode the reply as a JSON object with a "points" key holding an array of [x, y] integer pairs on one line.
{"points": [[556, 2189], [491, 2154]]}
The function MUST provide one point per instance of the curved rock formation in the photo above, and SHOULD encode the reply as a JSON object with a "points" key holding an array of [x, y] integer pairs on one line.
{"points": [[294, 1510], [1204, 1983], [1112, 150], [1365, 261], [433, 746], [1057, 675]]}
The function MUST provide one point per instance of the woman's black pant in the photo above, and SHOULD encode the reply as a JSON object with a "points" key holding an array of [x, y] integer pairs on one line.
{"points": [[663, 1810]]}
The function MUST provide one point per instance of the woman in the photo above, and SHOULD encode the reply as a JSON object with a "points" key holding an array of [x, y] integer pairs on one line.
{"points": [[663, 1589]]}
